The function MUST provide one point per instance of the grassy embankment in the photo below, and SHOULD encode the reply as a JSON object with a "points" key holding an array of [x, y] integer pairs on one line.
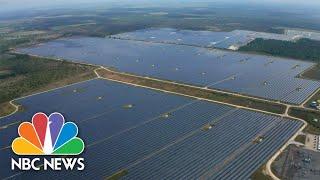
{"points": [[301, 113], [117, 175], [309, 116], [260, 175], [22, 75], [301, 139], [197, 92]]}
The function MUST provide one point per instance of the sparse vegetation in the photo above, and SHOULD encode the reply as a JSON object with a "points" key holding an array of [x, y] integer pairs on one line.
{"points": [[301, 138], [6, 108], [18, 38], [260, 175], [206, 127], [310, 116], [117, 175], [6, 44], [312, 73], [31, 74], [312, 130]]}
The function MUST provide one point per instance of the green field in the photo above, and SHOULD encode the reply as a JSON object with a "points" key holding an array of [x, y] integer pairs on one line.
{"points": [[309, 116], [22, 75], [313, 73]]}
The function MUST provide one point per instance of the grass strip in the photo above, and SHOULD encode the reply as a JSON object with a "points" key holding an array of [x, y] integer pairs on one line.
{"points": [[197, 92], [117, 175]]}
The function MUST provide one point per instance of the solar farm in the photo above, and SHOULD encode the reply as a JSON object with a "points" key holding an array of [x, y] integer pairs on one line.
{"points": [[182, 138], [302, 33], [260, 76], [224, 40]]}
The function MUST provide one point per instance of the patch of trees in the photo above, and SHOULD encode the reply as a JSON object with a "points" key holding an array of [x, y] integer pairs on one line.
{"points": [[304, 49]]}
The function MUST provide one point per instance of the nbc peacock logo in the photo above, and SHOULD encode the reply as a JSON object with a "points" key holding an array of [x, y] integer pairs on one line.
{"points": [[48, 136]]}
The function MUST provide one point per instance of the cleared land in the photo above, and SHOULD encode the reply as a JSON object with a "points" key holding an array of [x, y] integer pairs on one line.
{"points": [[313, 73], [309, 116], [259, 174], [25, 75], [295, 163], [301, 139], [6, 108]]}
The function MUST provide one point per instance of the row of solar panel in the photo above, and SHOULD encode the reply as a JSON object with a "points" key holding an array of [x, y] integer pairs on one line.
{"points": [[255, 75], [154, 126], [80, 103], [224, 40], [206, 154], [254, 156]]}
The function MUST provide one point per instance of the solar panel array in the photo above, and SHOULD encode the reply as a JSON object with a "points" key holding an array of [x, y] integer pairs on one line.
{"points": [[159, 135], [218, 153], [255, 75], [225, 40], [315, 35]]}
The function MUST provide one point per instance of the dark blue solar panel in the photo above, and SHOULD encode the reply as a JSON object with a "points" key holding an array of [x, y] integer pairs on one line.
{"points": [[144, 141], [255, 75]]}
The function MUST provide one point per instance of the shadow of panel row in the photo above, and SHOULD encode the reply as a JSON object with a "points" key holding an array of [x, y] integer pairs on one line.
{"points": [[151, 134]]}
